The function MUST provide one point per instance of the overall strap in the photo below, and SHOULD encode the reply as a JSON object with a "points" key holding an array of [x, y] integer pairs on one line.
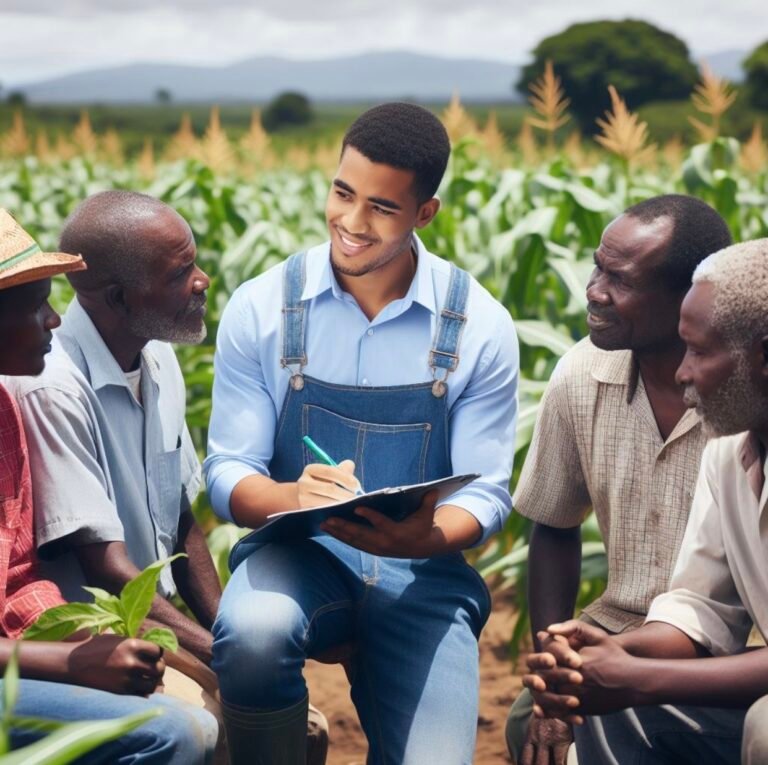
{"points": [[445, 350], [294, 356]]}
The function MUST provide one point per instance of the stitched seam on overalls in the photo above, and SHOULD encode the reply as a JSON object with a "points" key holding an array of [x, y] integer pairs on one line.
{"points": [[424, 449]]}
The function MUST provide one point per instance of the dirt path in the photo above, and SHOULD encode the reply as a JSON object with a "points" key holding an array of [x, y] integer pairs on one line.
{"points": [[329, 691]]}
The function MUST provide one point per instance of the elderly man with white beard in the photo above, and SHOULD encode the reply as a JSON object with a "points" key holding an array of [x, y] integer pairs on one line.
{"points": [[692, 651]]}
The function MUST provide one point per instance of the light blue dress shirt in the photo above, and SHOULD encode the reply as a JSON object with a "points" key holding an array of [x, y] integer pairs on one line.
{"points": [[345, 348], [105, 467]]}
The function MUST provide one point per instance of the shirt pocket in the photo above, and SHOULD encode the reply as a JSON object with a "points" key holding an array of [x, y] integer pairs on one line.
{"points": [[167, 483], [384, 455]]}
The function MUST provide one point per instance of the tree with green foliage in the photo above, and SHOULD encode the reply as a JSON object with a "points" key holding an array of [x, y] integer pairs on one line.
{"points": [[285, 110], [643, 62], [756, 68]]}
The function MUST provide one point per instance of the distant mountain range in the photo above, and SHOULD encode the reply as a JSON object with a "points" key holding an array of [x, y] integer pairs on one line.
{"points": [[368, 77]]}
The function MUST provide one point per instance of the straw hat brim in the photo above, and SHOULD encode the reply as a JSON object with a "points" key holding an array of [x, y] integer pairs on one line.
{"points": [[41, 265]]}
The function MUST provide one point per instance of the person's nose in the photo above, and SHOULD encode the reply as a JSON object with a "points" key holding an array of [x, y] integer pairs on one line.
{"points": [[200, 280], [683, 374], [52, 319], [596, 291], [355, 220]]}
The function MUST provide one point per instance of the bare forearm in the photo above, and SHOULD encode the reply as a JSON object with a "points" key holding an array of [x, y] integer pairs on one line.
{"points": [[554, 572], [196, 639], [256, 497], [727, 681], [195, 576], [107, 565], [661, 641], [39, 661], [456, 530]]}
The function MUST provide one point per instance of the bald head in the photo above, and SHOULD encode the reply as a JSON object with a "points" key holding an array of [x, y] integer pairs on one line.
{"points": [[119, 234]]}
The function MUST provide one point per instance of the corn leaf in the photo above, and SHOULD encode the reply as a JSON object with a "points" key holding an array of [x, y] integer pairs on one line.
{"points": [[73, 740]]}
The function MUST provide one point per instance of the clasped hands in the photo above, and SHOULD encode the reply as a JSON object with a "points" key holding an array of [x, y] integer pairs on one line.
{"points": [[580, 670], [413, 537]]}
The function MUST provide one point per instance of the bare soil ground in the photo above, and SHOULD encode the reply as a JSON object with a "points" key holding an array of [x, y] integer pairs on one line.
{"points": [[499, 686]]}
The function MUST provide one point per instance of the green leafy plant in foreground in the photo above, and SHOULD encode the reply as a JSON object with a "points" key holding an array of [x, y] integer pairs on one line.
{"points": [[123, 614], [64, 742]]}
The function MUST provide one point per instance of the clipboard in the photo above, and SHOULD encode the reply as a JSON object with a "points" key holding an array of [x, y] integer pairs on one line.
{"points": [[396, 502]]}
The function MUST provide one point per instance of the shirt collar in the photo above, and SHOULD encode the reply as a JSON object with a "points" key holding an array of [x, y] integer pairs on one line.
{"points": [[617, 368], [620, 368], [78, 328], [320, 277]]}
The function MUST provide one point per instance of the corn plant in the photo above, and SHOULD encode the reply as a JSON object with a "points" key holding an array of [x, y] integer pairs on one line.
{"points": [[524, 222]]}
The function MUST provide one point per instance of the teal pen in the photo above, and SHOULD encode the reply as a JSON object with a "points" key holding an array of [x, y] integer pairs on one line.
{"points": [[326, 459], [318, 452]]}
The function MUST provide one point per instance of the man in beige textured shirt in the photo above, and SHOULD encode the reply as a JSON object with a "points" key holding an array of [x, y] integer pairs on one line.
{"points": [[613, 434], [719, 588]]}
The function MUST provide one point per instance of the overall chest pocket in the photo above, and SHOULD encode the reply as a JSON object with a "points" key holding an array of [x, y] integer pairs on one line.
{"points": [[384, 455]]}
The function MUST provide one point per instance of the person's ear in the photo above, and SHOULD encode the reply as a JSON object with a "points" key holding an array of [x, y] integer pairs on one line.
{"points": [[115, 298], [427, 212]]}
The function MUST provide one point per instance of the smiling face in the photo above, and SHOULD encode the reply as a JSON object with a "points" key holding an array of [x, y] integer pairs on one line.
{"points": [[26, 322], [371, 212], [629, 307], [725, 384], [172, 306]]}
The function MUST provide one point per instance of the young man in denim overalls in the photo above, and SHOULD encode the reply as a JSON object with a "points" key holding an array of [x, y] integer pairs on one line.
{"points": [[405, 368]]}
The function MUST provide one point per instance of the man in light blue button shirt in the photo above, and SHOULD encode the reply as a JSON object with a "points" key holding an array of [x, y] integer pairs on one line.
{"points": [[114, 469], [404, 369]]}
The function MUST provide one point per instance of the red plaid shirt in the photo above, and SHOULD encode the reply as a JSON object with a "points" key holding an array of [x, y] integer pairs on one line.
{"points": [[23, 595]]}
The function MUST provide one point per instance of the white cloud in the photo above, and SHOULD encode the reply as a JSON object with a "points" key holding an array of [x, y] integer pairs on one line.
{"points": [[43, 38]]}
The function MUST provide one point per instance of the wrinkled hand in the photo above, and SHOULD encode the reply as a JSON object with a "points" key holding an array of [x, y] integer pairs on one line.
{"points": [[554, 680], [603, 668], [546, 742], [116, 664], [414, 537], [324, 484]]}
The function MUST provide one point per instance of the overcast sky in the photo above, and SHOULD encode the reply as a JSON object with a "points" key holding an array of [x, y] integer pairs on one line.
{"points": [[44, 38]]}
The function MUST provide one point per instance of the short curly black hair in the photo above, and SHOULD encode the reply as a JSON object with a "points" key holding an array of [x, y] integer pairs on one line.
{"points": [[404, 136], [698, 230]]}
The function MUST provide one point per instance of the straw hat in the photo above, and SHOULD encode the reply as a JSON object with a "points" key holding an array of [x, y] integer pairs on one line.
{"points": [[22, 260]]}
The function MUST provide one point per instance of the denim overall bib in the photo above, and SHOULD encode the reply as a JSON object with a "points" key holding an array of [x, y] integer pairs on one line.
{"points": [[414, 623]]}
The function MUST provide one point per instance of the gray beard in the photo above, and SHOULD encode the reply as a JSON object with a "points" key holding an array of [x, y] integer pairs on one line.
{"points": [[737, 405], [155, 326]]}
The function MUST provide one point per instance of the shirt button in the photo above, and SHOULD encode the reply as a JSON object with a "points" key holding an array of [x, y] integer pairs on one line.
{"points": [[365, 381], [369, 332]]}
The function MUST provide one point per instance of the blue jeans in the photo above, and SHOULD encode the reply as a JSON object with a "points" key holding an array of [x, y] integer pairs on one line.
{"points": [[180, 736], [663, 735], [415, 624]]}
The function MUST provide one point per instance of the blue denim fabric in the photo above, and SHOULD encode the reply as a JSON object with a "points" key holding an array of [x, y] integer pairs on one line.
{"points": [[663, 735], [182, 735], [415, 623]]}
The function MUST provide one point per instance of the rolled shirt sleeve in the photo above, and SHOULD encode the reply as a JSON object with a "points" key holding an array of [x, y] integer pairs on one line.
{"points": [[482, 426], [70, 488], [552, 489], [241, 433], [703, 601]]}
